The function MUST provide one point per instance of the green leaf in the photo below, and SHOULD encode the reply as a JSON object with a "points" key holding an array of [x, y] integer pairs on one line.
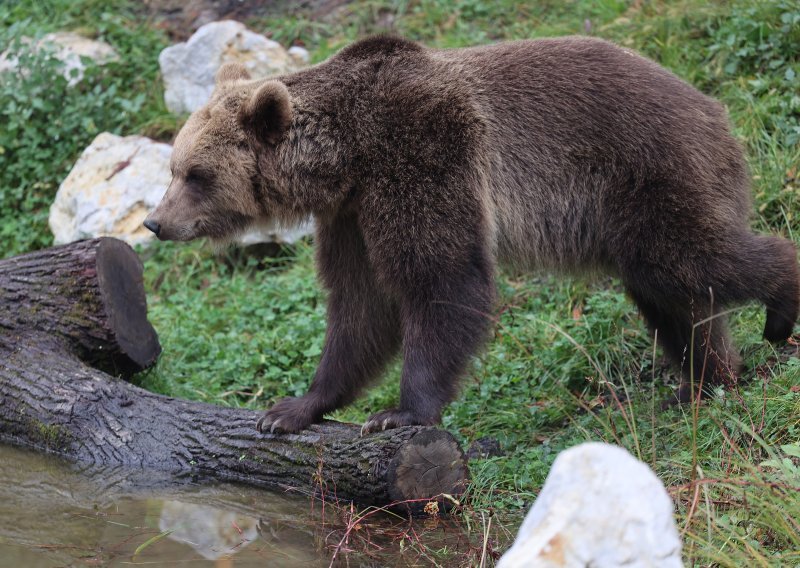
{"points": [[150, 541], [791, 450]]}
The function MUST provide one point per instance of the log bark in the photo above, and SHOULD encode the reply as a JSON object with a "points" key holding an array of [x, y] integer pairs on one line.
{"points": [[52, 398], [87, 294]]}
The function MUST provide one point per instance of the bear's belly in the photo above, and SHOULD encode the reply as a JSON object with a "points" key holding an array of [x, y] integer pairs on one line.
{"points": [[551, 226]]}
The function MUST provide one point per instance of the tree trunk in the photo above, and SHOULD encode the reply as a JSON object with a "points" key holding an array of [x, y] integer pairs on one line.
{"points": [[52, 400]]}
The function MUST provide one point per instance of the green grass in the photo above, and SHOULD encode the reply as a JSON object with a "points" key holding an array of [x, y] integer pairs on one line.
{"points": [[570, 360]]}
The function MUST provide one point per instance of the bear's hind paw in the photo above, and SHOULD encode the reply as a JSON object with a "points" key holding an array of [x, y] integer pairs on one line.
{"points": [[393, 418]]}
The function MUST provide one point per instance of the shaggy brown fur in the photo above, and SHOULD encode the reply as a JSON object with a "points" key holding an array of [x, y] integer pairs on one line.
{"points": [[423, 167]]}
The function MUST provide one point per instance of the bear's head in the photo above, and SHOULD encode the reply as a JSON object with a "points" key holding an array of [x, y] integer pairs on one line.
{"points": [[224, 161]]}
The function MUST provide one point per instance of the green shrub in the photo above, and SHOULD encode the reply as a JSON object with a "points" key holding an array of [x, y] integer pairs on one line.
{"points": [[759, 43], [47, 123]]}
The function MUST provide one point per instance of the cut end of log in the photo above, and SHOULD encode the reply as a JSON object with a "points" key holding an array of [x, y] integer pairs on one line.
{"points": [[430, 465], [119, 273], [88, 295]]}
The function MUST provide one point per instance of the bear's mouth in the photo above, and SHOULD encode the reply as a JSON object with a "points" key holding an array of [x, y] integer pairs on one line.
{"points": [[173, 232], [226, 228]]}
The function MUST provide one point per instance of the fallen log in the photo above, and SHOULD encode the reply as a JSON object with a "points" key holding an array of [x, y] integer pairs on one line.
{"points": [[52, 398], [89, 295]]}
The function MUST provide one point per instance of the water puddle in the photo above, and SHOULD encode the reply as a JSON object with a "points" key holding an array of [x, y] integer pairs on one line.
{"points": [[53, 513]]}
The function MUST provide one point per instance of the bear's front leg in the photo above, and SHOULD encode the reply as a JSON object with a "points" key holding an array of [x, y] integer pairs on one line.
{"points": [[362, 335], [363, 331], [445, 321]]}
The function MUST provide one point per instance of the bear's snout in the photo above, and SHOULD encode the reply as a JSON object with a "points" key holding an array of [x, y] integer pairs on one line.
{"points": [[153, 226]]}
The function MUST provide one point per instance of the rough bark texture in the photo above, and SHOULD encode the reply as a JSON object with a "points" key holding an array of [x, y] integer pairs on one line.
{"points": [[87, 294], [51, 399]]}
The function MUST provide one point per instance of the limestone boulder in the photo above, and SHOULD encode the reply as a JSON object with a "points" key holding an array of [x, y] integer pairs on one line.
{"points": [[599, 507], [110, 190], [275, 233], [69, 48], [116, 182], [189, 68]]}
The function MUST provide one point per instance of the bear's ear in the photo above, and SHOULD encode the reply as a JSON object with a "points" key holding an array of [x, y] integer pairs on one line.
{"points": [[268, 112], [230, 72]]}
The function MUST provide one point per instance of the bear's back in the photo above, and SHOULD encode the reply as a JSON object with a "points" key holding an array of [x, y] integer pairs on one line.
{"points": [[577, 130], [572, 133]]}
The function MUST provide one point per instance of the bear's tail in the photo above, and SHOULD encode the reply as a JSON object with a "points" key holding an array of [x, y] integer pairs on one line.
{"points": [[775, 275]]}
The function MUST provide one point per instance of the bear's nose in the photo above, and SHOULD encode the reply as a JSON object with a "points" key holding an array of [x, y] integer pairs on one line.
{"points": [[152, 225]]}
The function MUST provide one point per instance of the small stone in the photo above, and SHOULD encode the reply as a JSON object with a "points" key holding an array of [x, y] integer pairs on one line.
{"points": [[189, 68], [299, 55], [599, 507]]}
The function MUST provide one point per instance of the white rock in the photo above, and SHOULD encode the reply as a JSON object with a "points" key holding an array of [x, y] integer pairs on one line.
{"points": [[275, 233], [189, 68], [115, 183], [599, 507], [299, 55], [111, 189], [70, 47], [67, 47]]}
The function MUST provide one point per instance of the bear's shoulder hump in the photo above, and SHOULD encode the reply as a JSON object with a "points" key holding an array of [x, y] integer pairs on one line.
{"points": [[379, 45]]}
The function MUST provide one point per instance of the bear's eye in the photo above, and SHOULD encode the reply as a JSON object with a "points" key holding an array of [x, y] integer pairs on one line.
{"points": [[199, 183], [196, 177]]}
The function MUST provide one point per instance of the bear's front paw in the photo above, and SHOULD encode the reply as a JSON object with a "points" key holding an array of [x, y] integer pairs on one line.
{"points": [[394, 418], [288, 415]]}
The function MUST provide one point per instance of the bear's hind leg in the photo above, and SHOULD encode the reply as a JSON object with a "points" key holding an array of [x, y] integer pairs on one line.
{"points": [[695, 340], [770, 274], [752, 267]]}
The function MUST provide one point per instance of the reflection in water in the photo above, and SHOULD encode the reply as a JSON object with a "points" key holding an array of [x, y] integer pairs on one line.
{"points": [[57, 514], [212, 533]]}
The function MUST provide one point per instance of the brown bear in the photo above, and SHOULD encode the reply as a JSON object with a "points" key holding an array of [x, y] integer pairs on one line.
{"points": [[425, 167]]}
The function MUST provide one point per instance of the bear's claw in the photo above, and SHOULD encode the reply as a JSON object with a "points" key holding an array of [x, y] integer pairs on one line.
{"points": [[392, 418], [287, 416]]}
